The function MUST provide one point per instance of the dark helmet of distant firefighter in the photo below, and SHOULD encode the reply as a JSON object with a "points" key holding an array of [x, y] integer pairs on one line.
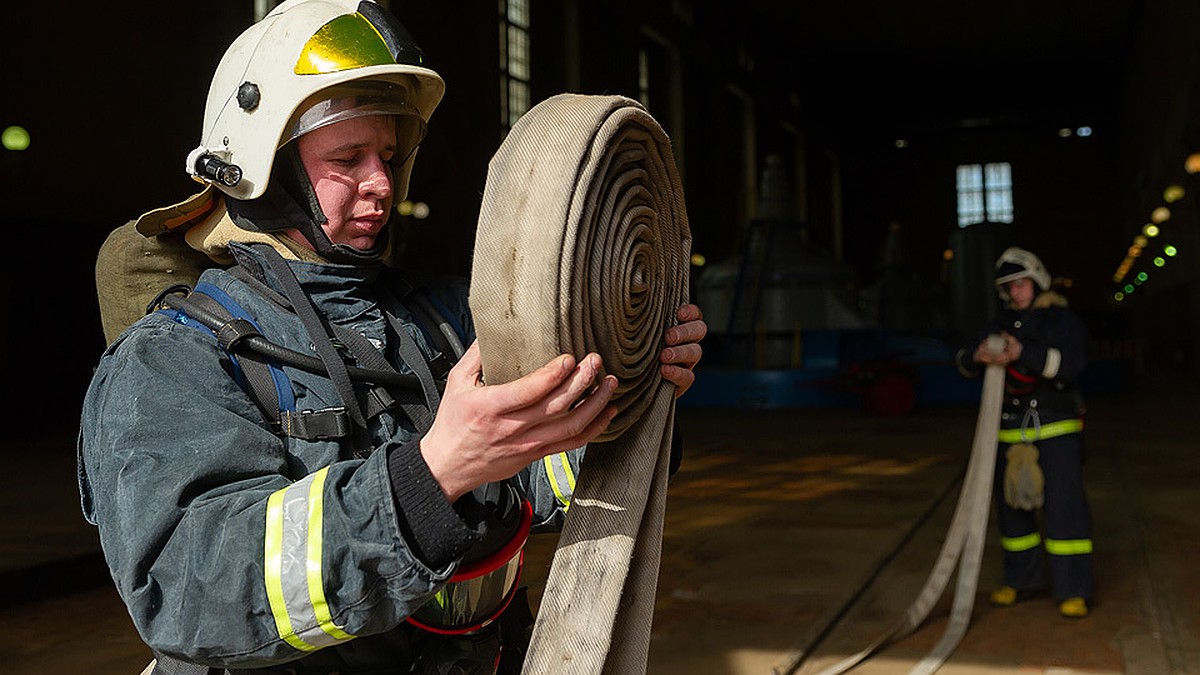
{"points": [[1016, 263], [307, 64]]}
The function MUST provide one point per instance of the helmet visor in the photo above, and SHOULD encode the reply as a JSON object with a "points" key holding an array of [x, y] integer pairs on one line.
{"points": [[347, 42], [359, 99]]}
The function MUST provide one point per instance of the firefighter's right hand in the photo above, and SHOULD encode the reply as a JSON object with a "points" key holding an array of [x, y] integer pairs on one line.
{"points": [[484, 433], [985, 355]]}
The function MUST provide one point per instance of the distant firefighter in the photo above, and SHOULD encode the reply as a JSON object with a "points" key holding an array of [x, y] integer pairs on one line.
{"points": [[1040, 457]]}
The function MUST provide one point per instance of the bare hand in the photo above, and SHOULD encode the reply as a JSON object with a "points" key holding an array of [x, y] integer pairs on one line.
{"points": [[1012, 348], [484, 433], [985, 356], [683, 350], [1011, 352]]}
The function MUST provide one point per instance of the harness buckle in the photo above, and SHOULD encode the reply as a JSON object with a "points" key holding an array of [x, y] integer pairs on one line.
{"points": [[328, 424]]}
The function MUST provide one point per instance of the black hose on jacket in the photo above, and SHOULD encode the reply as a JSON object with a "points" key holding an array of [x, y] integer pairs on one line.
{"points": [[289, 357]]}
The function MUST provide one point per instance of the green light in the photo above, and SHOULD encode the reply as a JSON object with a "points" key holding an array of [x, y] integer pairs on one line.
{"points": [[1128, 289], [1159, 261], [14, 138], [1118, 296], [1142, 276], [1170, 250]]}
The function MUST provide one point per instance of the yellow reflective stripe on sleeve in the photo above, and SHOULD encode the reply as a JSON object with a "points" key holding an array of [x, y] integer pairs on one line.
{"points": [[566, 466], [292, 557], [1053, 361], [1018, 544], [563, 495], [1059, 428], [562, 499], [1068, 546], [551, 478], [273, 559], [316, 587]]}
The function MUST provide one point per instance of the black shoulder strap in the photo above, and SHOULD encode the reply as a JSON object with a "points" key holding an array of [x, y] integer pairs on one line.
{"points": [[258, 357], [319, 332], [260, 384], [258, 368], [378, 399]]}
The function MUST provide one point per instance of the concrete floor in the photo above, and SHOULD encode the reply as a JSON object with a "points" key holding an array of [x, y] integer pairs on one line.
{"points": [[792, 538]]}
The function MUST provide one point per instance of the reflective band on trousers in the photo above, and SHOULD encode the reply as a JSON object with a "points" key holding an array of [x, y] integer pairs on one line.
{"points": [[1059, 428], [292, 557], [1018, 544], [1068, 546], [562, 479]]}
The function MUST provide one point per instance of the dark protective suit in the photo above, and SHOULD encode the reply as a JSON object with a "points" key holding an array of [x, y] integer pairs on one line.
{"points": [[235, 547], [1043, 406]]}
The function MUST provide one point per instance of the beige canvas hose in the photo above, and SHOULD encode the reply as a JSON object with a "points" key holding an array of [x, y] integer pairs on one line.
{"points": [[961, 550], [583, 245]]}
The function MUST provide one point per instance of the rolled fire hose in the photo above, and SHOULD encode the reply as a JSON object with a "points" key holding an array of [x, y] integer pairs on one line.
{"points": [[583, 246], [968, 530]]}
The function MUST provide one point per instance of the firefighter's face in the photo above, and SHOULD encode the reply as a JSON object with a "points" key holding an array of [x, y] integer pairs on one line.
{"points": [[348, 164], [1020, 292]]}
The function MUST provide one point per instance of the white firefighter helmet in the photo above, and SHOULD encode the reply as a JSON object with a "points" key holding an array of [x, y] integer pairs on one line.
{"points": [[307, 64], [1016, 263]]}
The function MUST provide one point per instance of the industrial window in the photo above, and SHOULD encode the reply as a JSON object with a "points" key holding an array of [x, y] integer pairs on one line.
{"points": [[514, 60], [984, 193]]}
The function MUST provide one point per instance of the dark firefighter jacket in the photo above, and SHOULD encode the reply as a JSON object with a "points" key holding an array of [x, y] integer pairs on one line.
{"points": [[235, 547], [1053, 355]]}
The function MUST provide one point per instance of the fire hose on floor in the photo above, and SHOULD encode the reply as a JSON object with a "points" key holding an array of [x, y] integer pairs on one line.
{"points": [[583, 245], [963, 546]]}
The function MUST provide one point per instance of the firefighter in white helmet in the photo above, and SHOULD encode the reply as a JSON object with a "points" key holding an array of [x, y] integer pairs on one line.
{"points": [[296, 467], [1039, 466]]}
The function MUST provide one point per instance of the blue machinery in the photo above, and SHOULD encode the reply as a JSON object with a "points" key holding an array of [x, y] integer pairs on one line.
{"points": [[842, 368]]}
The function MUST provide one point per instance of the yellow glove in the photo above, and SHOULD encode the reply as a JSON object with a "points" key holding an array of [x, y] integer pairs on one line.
{"points": [[1023, 480]]}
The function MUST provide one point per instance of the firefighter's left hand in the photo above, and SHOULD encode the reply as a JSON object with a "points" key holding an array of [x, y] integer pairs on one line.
{"points": [[683, 351], [1012, 348], [1010, 353]]}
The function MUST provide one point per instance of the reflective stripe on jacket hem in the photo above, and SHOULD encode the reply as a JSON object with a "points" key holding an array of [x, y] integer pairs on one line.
{"points": [[1050, 430]]}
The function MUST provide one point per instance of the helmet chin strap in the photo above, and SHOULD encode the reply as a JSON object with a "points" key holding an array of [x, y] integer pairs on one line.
{"points": [[341, 253], [290, 202]]}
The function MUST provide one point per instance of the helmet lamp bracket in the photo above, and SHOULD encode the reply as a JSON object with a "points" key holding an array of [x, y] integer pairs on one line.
{"points": [[210, 167]]}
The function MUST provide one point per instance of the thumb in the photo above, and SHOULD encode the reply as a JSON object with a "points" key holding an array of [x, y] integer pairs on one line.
{"points": [[469, 369]]}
